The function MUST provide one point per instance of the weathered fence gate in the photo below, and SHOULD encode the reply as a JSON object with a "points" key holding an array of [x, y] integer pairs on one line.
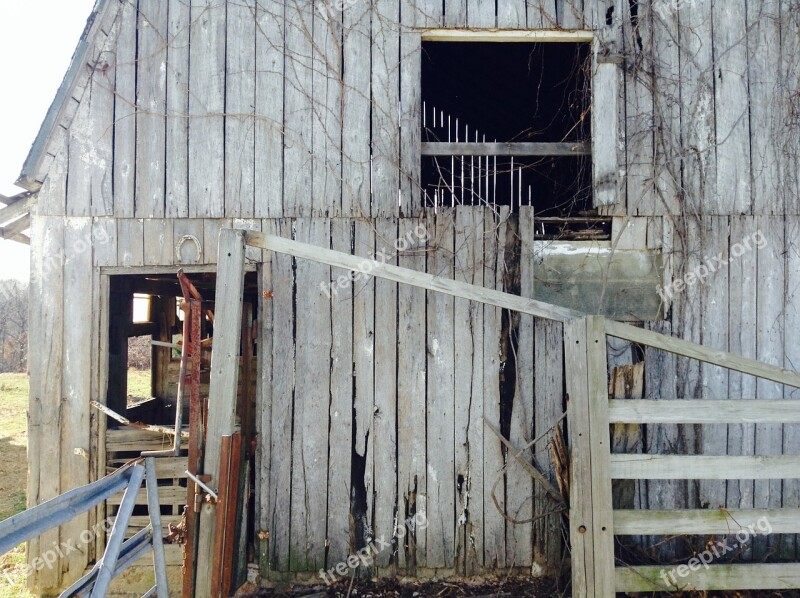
{"points": [[593, 522]]}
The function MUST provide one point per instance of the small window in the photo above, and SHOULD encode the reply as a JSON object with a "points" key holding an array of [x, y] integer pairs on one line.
{"points": [[509, 124]]}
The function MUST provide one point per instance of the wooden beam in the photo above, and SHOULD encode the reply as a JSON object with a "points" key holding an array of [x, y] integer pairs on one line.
{"points": [[505, 35], [412, 277], [15, 228], [703, 521], [701, 467], [741, 576], [16, 206], [702, 353], [700, 411], [577, 148], [223, 387]]}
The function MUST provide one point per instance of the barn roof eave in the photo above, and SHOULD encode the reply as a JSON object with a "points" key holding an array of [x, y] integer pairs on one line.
{"points": [[34, 170]]}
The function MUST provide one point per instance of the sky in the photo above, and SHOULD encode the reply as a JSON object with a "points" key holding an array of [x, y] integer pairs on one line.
{"points": [[37, 39]]}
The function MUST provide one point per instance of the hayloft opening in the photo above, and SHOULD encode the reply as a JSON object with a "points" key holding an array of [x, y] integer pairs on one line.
{"points": [[509, 124]]}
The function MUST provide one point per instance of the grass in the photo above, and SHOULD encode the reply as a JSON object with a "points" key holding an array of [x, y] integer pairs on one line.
{"points": [[14, 470], [13, 475], [139, 383]]}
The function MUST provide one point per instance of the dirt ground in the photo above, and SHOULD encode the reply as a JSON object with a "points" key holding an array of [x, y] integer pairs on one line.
{"points": [[500, 588]]}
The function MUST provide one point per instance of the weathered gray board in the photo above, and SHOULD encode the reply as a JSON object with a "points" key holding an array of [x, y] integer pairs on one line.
{"points": [[730, 180]]}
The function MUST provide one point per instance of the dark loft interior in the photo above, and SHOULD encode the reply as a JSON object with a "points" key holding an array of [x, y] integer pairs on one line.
{"points": [[145, 308], [516, 93]]}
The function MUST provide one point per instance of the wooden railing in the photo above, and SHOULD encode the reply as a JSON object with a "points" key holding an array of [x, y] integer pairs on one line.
{"points": [[594, 523]]}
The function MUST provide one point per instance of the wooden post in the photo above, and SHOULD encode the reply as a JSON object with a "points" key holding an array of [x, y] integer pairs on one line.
{"points": [[591, 530], [222, 390]]}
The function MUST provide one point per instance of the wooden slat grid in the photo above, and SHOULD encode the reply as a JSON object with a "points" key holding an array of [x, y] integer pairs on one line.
{"points": [[593, 468], [123, 444]]}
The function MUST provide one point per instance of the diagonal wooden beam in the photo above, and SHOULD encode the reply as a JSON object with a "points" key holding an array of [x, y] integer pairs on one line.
{"points": [[16, 206]]}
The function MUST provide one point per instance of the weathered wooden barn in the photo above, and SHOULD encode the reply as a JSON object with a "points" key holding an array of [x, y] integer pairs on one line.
{"points": [[633, 158]]}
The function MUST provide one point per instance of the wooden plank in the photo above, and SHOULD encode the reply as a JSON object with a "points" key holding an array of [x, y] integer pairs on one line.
{"points": [[790, 497], [45, 368], [384, 425], [702, 467], [428, 281], [151, 104], [125, 113], [341, 405], [714, 313], [222, 390], [385, 81], [519, 486], [356, 95], [269, 49], [298, 97], [468, 380], [159, 248], [697, 80], [211, 231], [327, 112], [225, 357], [605, 135], [763, 46], [167, 495], [481, 14], [731, 108], [717, 577], [413, 14], [704, 411], [364, 383], [441, 405], [98, 425], [511, 14], [283, 381], [704, 354], [542, 14], [742, 341], [666, 111], [494, 524], [438, 148], [206, 107], [51, 199], [130, 242], [640, 115], [770, 341], [177, 126], [310, 439], [91, 135], [411, 385], [580, 471], [548, 371], [455, 13], [602, 519], [705, 521], [76, 381], [570, 14], [240, 102], [264, 402]]}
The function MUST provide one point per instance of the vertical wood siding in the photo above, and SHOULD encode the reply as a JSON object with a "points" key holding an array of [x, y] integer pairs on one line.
{"points": [[282, 117]]}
